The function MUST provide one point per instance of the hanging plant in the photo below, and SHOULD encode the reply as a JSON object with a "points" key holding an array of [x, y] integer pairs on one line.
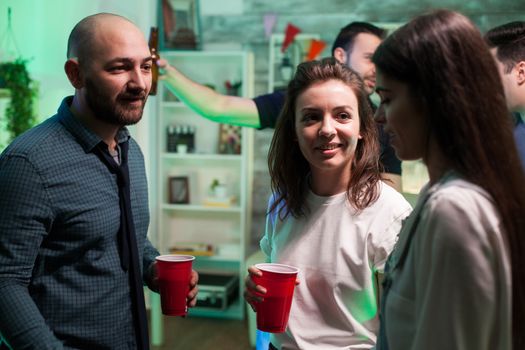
{"points": [[19, 112]]}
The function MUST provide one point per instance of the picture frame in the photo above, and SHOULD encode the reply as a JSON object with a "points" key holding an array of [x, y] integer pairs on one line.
{"points": [[230, 139], [179, 190], [179, 24]]}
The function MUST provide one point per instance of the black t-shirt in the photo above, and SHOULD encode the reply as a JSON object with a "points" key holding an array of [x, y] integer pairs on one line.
{"points": [[269, 107]]}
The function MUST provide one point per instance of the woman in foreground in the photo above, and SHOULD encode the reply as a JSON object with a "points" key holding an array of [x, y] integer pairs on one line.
{"points": [[456, 278]]}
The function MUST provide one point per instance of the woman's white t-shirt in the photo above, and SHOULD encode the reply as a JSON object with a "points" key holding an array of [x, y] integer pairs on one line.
{"points": [[338, 251]]}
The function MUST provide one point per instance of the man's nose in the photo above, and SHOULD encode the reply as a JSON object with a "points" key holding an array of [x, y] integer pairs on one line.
{"points": [[139, 79]]}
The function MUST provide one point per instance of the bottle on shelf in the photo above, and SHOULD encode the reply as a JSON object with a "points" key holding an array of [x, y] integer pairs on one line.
{"points": [[180, 138], [153, 47], [171, 139], [191, 139]]}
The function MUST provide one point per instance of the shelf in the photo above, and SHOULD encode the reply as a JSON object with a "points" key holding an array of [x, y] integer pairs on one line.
{"points": [[225, 228], [198, 156], [222, 258], [294, 53], [219, 266], [202, 208], [204, 55], [174, 104]]}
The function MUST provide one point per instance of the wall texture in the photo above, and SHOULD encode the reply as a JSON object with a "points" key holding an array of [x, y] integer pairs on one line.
{"points": [[237, 23], [327, 17]]}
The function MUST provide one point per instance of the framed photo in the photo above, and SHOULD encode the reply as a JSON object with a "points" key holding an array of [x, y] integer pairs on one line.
{"points": [[179, 190], [230, 139], [180, 24]]}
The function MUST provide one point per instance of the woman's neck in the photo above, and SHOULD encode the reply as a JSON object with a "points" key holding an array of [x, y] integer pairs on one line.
{"points": [[436, 162], [329, 182]]}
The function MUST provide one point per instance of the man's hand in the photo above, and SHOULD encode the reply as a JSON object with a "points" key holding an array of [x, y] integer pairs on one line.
{"points": [[194, 289], [154, 284]]}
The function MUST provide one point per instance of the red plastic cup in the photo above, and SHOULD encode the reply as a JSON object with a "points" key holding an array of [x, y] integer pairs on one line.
{"points": [[273, 311], [174, 273]]}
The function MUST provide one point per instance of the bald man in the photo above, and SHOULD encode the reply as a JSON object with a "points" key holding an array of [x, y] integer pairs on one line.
{"points": [[74, 254]]}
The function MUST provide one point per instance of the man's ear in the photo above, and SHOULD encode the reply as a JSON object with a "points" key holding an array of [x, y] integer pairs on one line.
{"points": [[520, 72], [74, 73], [340, 55]]}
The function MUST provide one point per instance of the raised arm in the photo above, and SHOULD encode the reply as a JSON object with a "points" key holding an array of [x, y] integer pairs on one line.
{"points": [[207, 102]]}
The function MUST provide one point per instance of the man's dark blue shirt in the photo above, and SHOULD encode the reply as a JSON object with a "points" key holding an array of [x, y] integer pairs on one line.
{"points": [[61, 281]]}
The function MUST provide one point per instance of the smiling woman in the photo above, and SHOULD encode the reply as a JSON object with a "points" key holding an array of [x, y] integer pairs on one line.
{"points": [[329, 203], [327, 127]]}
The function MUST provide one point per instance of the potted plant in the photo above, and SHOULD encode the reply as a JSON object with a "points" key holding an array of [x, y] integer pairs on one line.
{"points": [[218, 190], [22, 90]]}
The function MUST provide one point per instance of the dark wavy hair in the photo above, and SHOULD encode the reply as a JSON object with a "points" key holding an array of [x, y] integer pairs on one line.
{"points": [[288, 167], [446, 63], [345, 38], [509, 39]]}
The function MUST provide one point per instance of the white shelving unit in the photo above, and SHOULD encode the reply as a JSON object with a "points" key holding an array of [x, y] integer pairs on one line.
{"points": [[225, 228], [296, 53]]}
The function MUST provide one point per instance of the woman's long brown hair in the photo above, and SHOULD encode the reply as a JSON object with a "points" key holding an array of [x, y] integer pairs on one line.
{"points": [[447, 65]]}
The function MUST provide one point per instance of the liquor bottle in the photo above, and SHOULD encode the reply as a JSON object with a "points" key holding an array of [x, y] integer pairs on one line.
{"points": [[172, 139], [191, 140], [153, 47]]}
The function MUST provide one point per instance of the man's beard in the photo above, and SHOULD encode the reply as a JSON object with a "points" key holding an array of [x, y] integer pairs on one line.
{"points": [[368, 77], [118, 112]]}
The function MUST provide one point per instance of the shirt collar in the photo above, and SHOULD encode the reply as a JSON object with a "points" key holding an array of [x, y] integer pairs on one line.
{"points": [[85, 137]]}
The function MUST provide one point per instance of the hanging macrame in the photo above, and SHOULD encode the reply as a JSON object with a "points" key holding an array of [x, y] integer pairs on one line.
{"points": [[9, 50]]}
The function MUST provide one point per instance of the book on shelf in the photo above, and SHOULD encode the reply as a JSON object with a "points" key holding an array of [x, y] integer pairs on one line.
{"points": [[196, 249], [221, 202]]}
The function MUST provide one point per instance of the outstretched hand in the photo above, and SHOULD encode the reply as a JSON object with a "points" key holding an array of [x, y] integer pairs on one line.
{"points": [[164, 67]]}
